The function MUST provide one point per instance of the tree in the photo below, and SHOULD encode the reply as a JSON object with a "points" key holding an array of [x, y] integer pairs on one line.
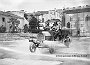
{"points": [[15, 23], [33, 23]]}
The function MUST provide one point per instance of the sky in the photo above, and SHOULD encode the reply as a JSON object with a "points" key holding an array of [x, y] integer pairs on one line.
{"points": [[39, 5]]}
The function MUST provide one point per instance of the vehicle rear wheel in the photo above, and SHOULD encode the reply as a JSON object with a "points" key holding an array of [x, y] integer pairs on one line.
{"points": [[66, 43], [32, 48], [51, 50]]}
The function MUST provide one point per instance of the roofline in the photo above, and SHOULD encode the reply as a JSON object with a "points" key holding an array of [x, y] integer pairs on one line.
{"points": [[10, 15]]}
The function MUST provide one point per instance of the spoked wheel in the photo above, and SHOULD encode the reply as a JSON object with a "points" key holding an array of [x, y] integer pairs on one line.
{"points": [[32, 48], [51, 50]]}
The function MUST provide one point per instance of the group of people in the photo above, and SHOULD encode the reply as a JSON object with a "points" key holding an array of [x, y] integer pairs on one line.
{"points": [[13, 29], [56, 31]]}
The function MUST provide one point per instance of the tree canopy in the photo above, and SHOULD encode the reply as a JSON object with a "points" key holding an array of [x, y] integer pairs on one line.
{"points": [[33, 23], [14, 21]]}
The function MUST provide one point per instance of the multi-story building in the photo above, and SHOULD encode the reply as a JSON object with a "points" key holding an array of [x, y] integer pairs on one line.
{"points": [[79, 19], [52, 14], [49, 15], [5, 18], [42, 15], [55, 14], [59, 14]]}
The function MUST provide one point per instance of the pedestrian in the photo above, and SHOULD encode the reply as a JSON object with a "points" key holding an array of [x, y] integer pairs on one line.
{"points": [[78, 32], [10, 28], [25, 28]]}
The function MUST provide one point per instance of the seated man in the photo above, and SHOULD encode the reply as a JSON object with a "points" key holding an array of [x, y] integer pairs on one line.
{"points": [[56, 31], [58, 34]]}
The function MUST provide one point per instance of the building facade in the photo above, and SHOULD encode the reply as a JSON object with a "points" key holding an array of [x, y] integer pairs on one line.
{"points": [[5, 18], [79, 19], [55, 14], [42, 16]]}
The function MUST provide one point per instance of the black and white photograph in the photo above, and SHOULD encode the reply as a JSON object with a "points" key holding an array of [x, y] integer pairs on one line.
{"points": [[44, 32]]}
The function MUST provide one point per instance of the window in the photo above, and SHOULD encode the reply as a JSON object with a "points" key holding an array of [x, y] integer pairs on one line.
{"points": [[3, 19], [42, 19], [87, 18], [70, 18]]}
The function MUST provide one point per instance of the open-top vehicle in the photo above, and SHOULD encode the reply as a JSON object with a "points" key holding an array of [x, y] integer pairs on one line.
{"points": [[47, 39]]}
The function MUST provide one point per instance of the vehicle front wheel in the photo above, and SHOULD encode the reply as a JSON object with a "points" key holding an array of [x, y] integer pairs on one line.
{"points": [[32, 48]]}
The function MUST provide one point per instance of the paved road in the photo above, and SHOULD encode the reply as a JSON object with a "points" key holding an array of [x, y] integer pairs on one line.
{"points": [[17, 53]]}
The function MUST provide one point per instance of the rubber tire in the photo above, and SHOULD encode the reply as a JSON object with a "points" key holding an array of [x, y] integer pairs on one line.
{"points": [[32, 48], [51, 50], [66, 43]]}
